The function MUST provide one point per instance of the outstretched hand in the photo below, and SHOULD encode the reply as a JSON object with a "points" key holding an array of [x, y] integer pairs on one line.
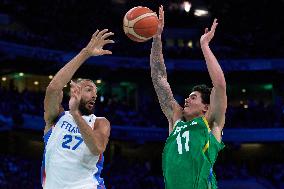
{"points": [[75, 96], [208, 35], [98, 41], [161, 21]]}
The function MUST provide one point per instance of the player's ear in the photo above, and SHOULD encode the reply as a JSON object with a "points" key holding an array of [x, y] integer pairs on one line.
{"points": [[205, 108]]}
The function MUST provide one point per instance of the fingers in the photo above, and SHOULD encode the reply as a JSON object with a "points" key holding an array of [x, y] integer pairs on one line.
{"points": [[98, 33], [161, 20], [73, 84], [99, 39], [106, 52], [75, 89], [101, 33], [95, 34], [161, 14], [106, 35], [108, 41], [215, 20], [206, 30], [161, 11], [214, 25]]}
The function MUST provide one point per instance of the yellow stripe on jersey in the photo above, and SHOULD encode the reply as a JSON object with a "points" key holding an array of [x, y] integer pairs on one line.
{"points": [[206, 147], [206, 123]]}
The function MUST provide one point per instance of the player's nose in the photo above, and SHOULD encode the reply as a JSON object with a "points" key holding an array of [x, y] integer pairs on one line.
{"points": [[94, 96]]}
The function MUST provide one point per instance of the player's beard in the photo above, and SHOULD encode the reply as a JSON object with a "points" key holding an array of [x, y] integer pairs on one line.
{"points": [[83, 109]]}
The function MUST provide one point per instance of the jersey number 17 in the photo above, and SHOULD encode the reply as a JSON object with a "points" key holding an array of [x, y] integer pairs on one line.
{"points": [[180, 144]]}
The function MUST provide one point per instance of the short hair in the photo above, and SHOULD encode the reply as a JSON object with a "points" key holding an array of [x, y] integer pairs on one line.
{"points": [[205, 92], [79, 80]]}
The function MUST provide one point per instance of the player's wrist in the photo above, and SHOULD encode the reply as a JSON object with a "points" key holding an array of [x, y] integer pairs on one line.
{"points": [[85, 52], [157, 37], [204, 45]]}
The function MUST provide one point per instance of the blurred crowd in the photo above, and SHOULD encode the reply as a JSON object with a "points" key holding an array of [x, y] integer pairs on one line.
{"points": [[14, 104], [42, 24], [19, 172]]}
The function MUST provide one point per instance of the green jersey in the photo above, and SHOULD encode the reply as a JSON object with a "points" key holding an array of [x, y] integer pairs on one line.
{"points": [[189, 155]]}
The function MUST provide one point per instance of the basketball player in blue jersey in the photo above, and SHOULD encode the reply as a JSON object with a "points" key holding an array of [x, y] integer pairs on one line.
{"points": [[76, 139]]}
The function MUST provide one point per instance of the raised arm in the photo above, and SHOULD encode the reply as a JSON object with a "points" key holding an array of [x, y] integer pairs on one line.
{"points": [[168, 104], [97, 138], [53, 93], [218, 98]]}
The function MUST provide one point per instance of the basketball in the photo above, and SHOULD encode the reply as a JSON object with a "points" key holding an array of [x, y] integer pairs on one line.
{"points": [[140, 24]]}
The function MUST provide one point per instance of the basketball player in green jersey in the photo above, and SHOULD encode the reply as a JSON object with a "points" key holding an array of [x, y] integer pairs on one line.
{"points": [[195, 130]]}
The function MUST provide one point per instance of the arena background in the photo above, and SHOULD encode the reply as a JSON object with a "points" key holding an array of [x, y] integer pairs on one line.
{"points": [[38, 37]]}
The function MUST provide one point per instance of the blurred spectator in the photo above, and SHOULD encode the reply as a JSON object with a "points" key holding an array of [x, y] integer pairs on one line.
{"points": [[257, 115], [18, 172]]}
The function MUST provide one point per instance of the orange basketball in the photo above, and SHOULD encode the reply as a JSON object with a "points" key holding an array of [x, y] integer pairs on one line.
{"points": [[140, 24]]}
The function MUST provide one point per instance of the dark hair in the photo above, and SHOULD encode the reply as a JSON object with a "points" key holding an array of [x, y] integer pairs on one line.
{"points": [[205, 92], [79, 80]]}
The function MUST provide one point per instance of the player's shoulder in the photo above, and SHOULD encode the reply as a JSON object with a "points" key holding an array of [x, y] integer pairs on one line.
{"points": [[102, 122], [177, 113], [102, 119], [49, 122]]}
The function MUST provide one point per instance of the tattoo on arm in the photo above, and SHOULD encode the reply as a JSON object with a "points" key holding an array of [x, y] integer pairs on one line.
{"points": [[157, 64], [159, 78]]}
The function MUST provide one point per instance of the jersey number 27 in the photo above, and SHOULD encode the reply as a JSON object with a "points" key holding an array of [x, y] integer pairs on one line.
{"points": [[68, 139]]}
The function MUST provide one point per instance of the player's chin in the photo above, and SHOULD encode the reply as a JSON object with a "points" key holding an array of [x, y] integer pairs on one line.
{"points": [[87, 110], [186, 111], [90, 109]]}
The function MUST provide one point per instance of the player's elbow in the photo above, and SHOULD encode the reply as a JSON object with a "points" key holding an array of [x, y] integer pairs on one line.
{"points": [[51, 88], [97, 150], [101, 150]]}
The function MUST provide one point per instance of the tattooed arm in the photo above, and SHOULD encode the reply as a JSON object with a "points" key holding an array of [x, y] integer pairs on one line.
{"points": [[169, 106]]}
